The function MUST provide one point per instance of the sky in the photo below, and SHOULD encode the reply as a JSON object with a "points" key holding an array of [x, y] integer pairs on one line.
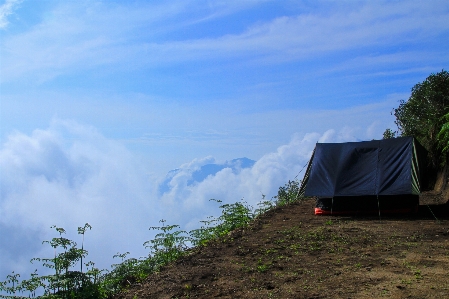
{"points": [[123, 113]]}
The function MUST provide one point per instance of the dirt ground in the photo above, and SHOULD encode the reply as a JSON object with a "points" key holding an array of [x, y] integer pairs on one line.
{"points": [[291, 253]]}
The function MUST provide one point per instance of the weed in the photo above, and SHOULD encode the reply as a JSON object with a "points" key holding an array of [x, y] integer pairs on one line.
{"points": [[264, 206], [417, 274], [233, 216], [270, 251], [65, 281], [262, 268], [288, 193], [384, 292], [168, 245]]}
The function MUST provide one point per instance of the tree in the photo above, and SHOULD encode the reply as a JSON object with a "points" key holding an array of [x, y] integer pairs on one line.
{"points": [[422, 116], [389, 133], [443, 138]]}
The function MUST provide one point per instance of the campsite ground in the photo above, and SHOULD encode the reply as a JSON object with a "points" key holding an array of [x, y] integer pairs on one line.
{"points": [[291, 253]]}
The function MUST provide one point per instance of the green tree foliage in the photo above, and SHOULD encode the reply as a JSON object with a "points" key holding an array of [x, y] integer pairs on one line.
{"points": [[389, 133], [422, 116], [443, 137]]}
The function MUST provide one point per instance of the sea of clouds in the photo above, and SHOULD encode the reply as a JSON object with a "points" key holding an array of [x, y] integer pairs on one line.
{"points": [[70, 174]]}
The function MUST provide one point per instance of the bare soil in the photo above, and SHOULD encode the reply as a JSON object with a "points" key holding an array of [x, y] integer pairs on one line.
{"points": [[291, 253]]}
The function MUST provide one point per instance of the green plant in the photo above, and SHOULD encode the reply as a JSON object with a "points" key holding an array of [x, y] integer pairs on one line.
{"points": [[232, 216], [65, 282], [168, 245], [443, 136], [264, 206], [416, 272], [124, 273], [262, 268], [288, 193]]}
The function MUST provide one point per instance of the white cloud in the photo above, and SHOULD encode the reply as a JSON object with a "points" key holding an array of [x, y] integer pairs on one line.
{"points": [[7, 9], [266, 176], [70, 174], [81, 36], [169, 136], [270, 172], [290, 38]]}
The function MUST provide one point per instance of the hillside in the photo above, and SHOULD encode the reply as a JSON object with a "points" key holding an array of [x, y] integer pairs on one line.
{"points": [[291, 253]]}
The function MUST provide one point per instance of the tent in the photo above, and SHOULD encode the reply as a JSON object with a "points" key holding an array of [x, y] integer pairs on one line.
{"points": [[383, 176]]}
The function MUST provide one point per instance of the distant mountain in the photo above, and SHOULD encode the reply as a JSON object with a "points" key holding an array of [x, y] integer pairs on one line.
{"points": [[198, 175]]}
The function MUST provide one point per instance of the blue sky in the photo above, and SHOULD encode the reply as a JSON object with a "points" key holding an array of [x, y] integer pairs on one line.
{"points": [[99, 100]]}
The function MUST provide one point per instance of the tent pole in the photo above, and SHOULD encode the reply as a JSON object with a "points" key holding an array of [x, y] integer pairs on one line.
{"points": [[377, 178]]}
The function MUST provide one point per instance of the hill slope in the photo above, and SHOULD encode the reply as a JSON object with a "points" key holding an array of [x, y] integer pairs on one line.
{"points": [[291, 253]]}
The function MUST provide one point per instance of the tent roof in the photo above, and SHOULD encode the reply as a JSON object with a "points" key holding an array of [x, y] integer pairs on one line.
{"points": [[378, 167]]}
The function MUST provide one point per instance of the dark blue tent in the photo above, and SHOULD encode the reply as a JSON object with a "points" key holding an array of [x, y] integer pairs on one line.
{"points": [[378, 175]]}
